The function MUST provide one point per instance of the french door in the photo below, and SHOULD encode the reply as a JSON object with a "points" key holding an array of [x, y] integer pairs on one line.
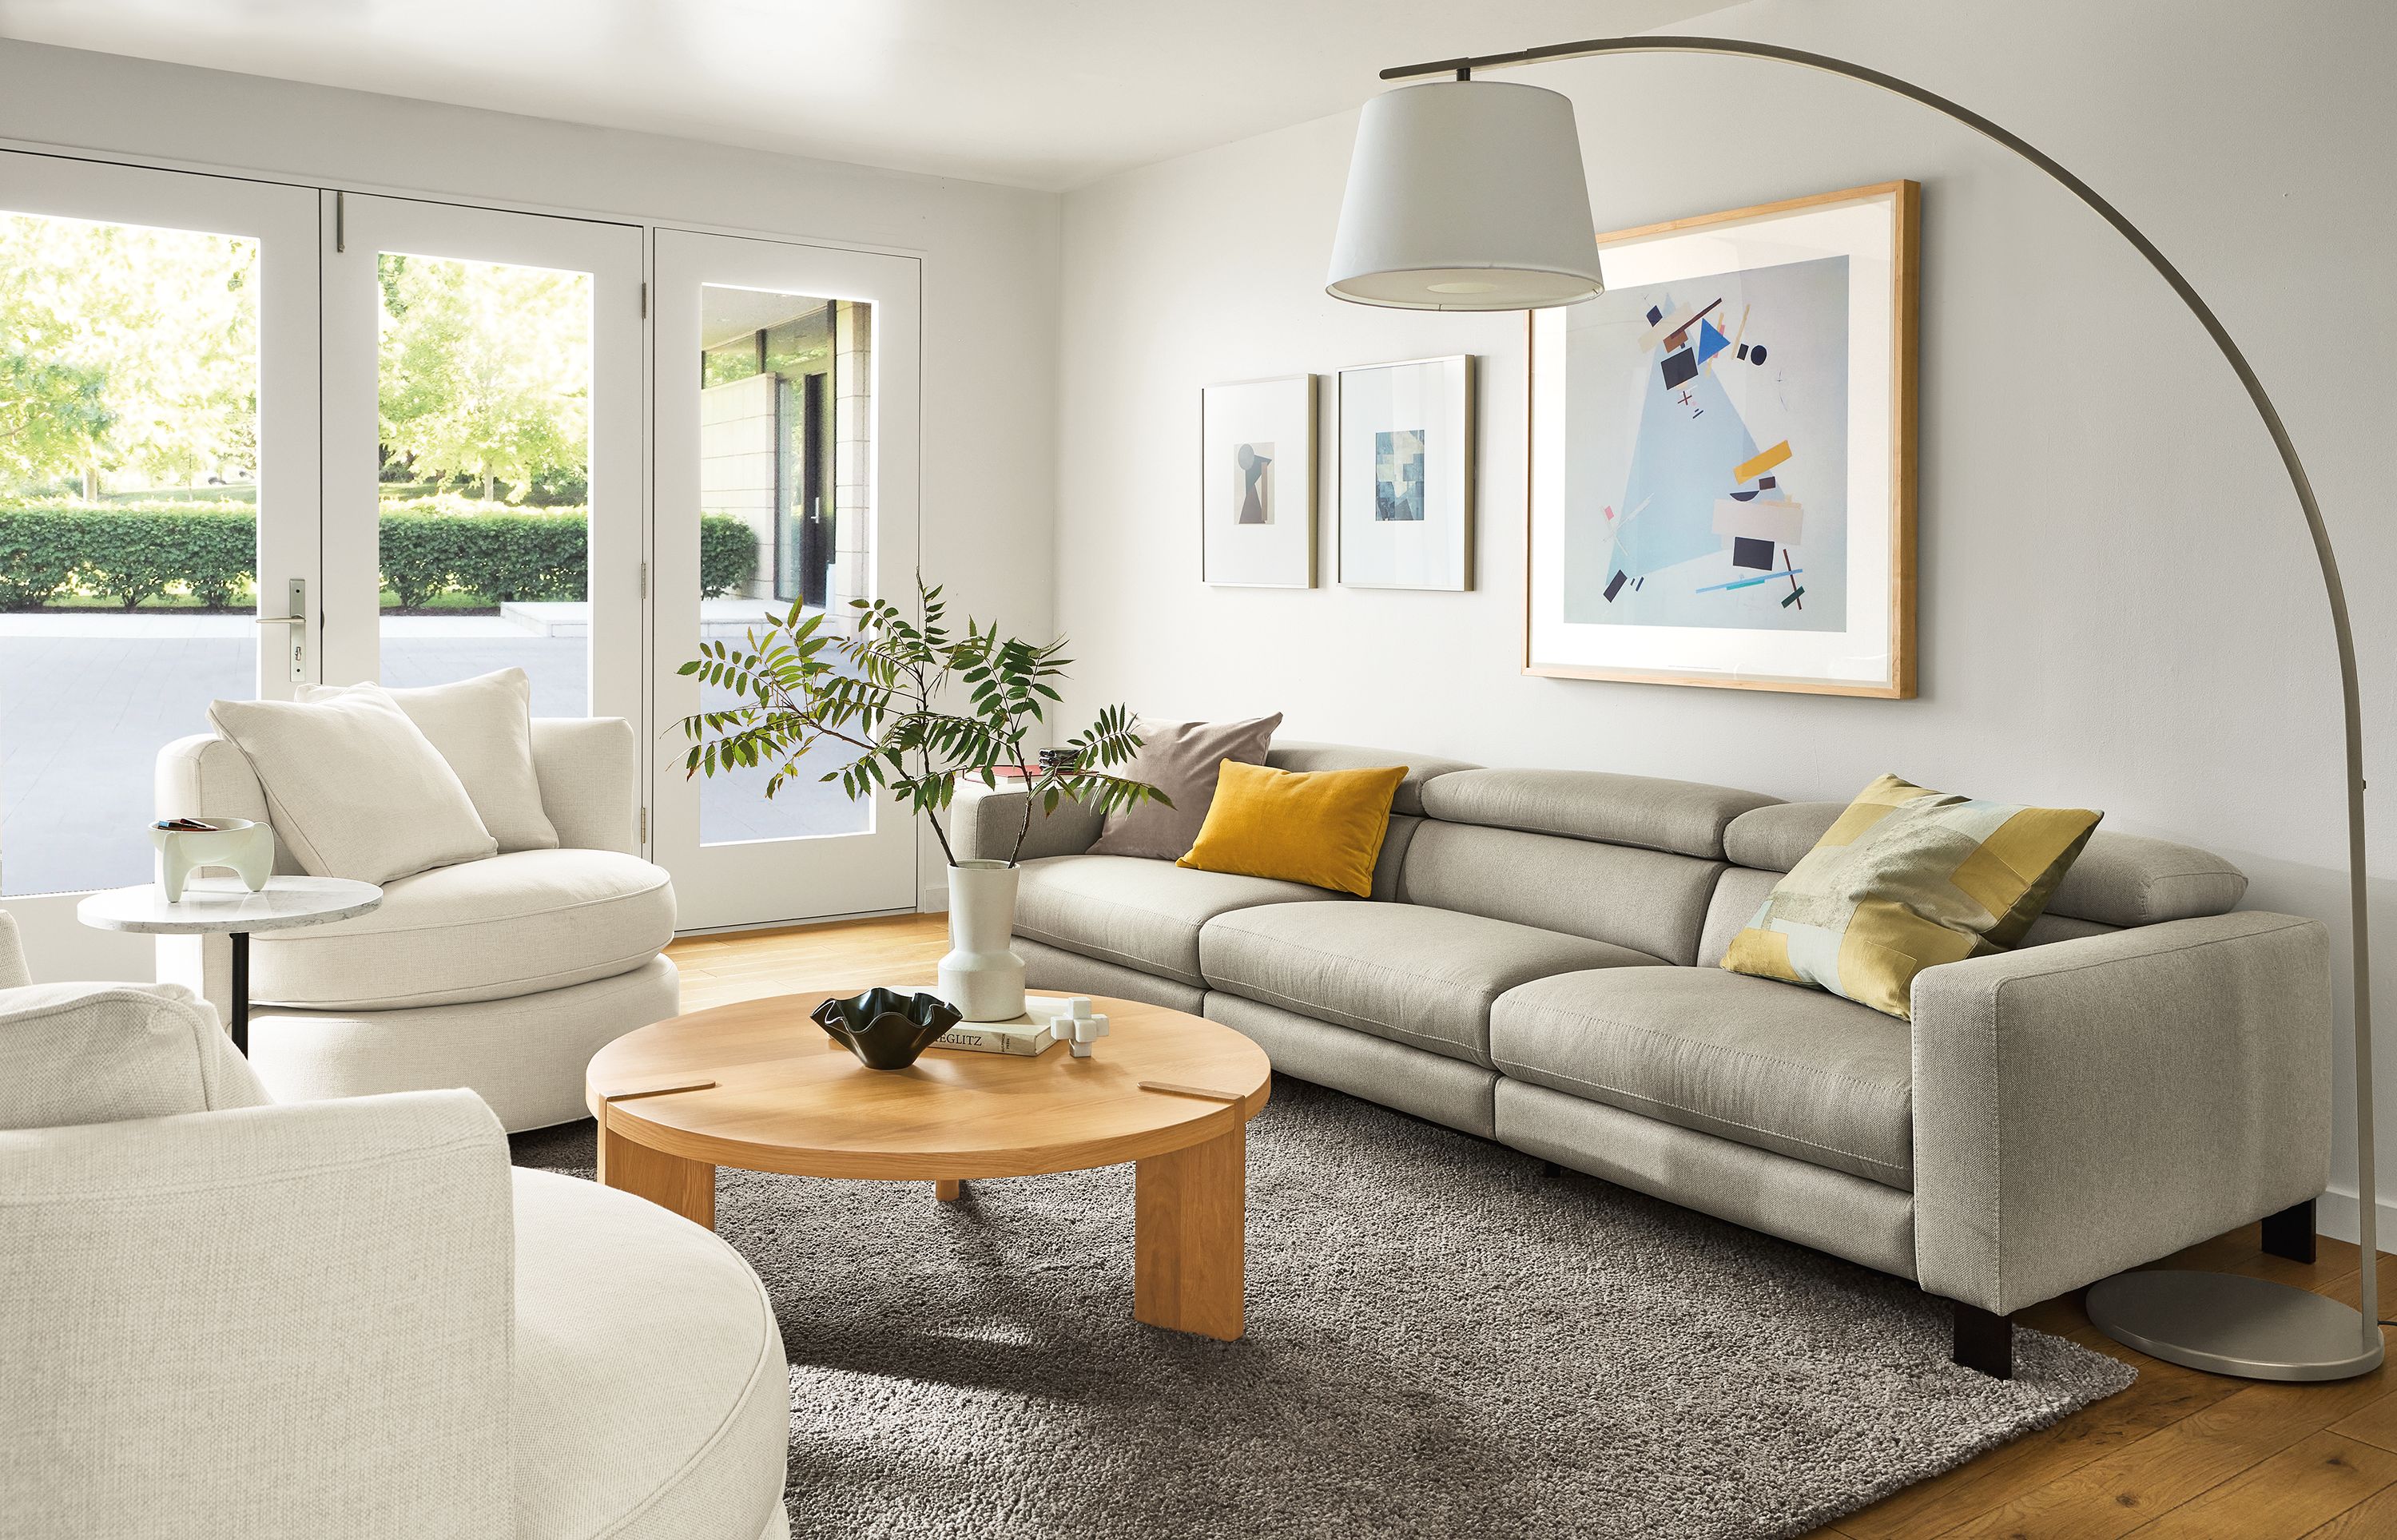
{"points": [[785, 410], [160, 502], [483, 451]]}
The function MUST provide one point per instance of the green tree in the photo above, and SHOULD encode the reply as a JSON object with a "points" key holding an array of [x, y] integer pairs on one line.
{"points": [[53, 415], [486, 371], [127, 352]]}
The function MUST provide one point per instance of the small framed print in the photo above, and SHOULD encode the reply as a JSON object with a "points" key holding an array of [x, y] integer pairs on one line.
{"points": [[1406, 474], [1722, 454], [1256, 483]]}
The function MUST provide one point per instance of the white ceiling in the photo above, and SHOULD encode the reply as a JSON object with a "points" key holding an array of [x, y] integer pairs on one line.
{"points": [[1040, 93]]}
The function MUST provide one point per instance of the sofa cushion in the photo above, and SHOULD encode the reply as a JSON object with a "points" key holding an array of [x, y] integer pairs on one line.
{"points": [[1647, 900], [1793, 1070], [508, 925], [1141, 913], [651, 1397], [1685, 817], [1416, 976], [2120, 879]]}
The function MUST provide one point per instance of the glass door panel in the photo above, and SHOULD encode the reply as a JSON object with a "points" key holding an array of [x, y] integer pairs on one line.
{"points": [[786, 410], [158, 495], [482, 423], [785, 396]]}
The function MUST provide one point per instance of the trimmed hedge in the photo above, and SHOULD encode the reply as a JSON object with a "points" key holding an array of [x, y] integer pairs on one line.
{"points": [[131, 551]]}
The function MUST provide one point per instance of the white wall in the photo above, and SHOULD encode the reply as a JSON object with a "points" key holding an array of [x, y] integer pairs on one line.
{"points": [[2120, 608], [990, 267]]}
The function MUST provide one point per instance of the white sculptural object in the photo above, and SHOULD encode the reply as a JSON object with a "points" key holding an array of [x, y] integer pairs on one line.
{"points": [[241, 846], [1076, 1026]]}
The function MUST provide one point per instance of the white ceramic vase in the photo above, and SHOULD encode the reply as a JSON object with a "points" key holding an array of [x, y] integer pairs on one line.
{"points": [[982, 976]]}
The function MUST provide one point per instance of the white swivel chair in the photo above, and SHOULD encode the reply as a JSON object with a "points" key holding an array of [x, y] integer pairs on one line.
{"points": [[504, 975], [224, 1317]]}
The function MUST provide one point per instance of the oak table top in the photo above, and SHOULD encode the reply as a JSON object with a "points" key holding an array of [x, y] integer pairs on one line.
{"points": [[784, 1097]]}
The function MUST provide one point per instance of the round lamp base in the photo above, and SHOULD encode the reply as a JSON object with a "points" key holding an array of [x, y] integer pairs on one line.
{"points": [[2227, 1323]]}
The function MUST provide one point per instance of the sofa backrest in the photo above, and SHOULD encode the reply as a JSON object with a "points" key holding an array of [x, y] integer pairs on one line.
{"points": [[586, 767], [2120, 879], [1303, 757], [1627, 859]]}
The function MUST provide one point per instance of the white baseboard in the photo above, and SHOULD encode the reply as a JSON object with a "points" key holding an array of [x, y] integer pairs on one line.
{"points": [[932, 899], [2335, 1214]]}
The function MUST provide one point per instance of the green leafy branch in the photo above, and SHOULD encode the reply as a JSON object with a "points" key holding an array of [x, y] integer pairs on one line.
{"points": [[889, 705]]}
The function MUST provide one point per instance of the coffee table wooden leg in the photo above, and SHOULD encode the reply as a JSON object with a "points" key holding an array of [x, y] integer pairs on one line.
{"points": [[1189, 1256], [949, 1190], [686, 1186]]}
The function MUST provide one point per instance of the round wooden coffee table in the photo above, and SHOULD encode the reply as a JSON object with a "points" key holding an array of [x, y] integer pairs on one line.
{"points": [[759, 1086]]}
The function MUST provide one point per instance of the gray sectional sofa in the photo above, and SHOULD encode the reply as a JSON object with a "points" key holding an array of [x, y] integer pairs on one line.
{"points": [[1537, 966]]}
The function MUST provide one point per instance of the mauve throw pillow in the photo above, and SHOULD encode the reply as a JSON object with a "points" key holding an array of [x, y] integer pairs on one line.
{"points": [[1181, 759]]}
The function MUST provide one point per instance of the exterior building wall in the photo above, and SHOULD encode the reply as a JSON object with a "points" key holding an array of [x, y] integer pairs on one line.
{"points": [[853, 383], [737, 465]]}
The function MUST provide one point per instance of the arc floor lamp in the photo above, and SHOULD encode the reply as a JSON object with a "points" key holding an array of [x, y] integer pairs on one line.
{"points": [[1467, 194]]}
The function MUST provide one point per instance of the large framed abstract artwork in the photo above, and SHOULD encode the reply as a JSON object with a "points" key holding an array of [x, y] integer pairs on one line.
{"points": [[1256, 483], [1722, 454], [1406, 474]]}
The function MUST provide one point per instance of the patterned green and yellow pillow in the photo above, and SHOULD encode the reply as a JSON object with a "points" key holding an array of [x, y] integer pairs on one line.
{"points": [[1906, 879]]}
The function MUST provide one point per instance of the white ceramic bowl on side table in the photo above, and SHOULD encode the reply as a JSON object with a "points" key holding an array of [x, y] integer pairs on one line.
{"points": [[242, 846]]}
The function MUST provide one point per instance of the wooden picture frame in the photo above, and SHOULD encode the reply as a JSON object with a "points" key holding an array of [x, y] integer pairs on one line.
{"points": [[1405, 465], [1257, 482], [1619, 386]]}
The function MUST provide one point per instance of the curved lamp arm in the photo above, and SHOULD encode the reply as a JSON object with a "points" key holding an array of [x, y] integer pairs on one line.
{"points": [[2367, 1202]]}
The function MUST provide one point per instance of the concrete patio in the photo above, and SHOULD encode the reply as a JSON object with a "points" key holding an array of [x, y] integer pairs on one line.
{"points": [[88, 697]]}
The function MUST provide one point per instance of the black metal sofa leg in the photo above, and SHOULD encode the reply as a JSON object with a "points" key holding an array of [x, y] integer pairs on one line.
{"points": [[2290, 1233], [1983, 1341]]}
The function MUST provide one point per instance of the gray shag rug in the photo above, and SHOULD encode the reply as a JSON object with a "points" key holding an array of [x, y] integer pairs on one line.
{"points": [[1440, 1342]]}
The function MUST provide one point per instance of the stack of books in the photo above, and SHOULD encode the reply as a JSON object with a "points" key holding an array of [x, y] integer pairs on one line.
{"points": [[1025, 1037]]}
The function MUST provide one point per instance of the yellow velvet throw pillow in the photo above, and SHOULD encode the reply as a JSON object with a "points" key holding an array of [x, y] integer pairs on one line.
{"points": [[1323, 827], [1906, 879]]}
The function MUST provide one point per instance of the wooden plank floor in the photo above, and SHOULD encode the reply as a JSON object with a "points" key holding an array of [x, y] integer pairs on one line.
{"points": [[2180, 1454]]}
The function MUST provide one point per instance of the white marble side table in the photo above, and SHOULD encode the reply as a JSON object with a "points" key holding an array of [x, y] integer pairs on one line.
{"points": [[218, 906]]}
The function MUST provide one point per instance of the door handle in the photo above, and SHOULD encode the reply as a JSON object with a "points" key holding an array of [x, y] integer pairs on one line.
{"points": [[297, 621]]}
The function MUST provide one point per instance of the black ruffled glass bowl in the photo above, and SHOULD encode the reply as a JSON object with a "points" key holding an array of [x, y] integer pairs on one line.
{"points": [[887, 1029]]}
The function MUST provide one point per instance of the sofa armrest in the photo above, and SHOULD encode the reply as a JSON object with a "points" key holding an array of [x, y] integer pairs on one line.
{"points": [[2087, 1106], [588, 772], [14, 973], [277, 1321], [983, 821]]}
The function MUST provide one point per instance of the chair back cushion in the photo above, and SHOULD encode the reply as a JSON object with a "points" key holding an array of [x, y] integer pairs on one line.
{"points": [[483, 728], [102, 1052], [354, 787]]}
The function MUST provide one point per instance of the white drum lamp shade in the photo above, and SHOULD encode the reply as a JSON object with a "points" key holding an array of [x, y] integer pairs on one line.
{"points": [[1467, 195]]}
